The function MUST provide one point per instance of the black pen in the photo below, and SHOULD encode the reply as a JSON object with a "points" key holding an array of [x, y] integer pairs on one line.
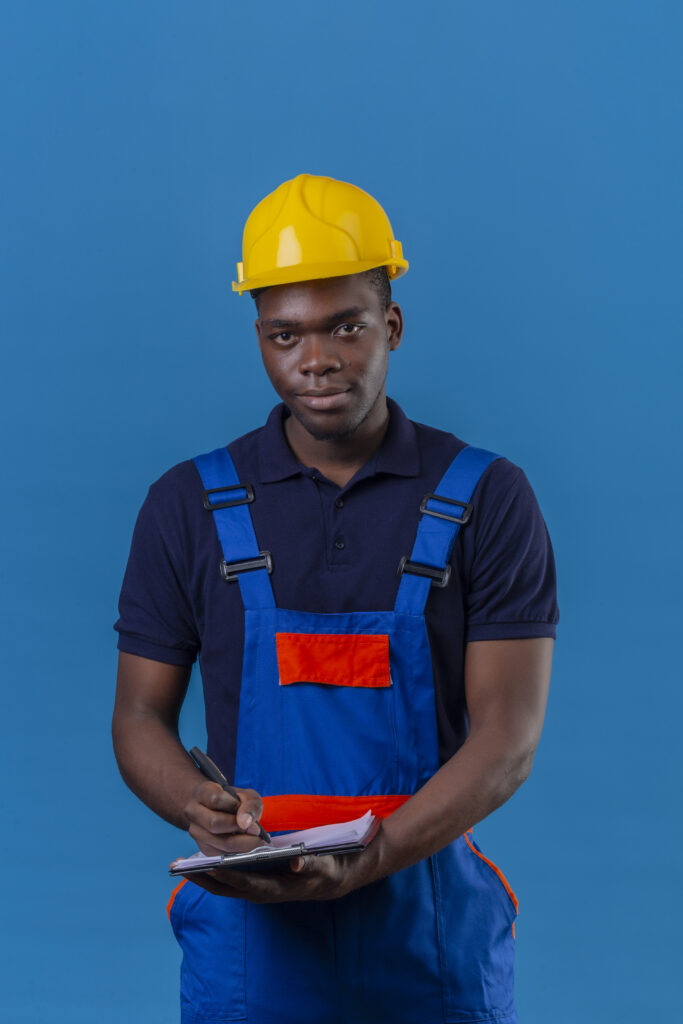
{"points": [[213, 772]]}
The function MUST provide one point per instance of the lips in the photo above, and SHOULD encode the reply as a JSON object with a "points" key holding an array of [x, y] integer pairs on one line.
{"points": [[325, 398]]}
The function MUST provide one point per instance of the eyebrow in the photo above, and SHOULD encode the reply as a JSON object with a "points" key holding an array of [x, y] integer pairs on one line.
{"points": [[330, 321]]}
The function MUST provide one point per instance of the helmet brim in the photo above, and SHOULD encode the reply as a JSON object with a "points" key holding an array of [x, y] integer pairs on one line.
{"points": [[396, 267]]}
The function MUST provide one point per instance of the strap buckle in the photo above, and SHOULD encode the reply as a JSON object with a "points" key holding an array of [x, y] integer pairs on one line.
{"points": [[439, 577], [461, 520], [211, 506], [230, 570]]}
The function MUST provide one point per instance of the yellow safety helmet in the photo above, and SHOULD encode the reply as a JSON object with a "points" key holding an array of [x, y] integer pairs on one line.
{"points": [[313, 227]]}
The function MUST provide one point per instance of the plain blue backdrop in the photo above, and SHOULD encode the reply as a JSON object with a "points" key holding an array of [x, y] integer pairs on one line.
{"points": [[529, 156]]}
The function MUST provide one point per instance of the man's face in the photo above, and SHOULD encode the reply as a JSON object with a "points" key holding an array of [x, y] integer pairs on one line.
{"points": [[325, 346]]}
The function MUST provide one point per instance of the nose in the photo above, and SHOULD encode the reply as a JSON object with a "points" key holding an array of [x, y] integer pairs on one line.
{"points": [[318, 355]]}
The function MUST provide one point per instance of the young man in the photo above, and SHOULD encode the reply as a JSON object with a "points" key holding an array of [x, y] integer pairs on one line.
{"points": [[373, 605]]}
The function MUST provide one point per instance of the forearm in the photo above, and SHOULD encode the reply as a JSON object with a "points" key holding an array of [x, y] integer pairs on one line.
{"points": [[155, 765], [153, 762], [506, 688], [480, 777]]}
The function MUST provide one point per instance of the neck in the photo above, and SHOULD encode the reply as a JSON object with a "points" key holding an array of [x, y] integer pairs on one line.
{"points": [[339, 459]]}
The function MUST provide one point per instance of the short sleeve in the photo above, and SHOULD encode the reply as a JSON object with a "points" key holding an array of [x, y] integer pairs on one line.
{"points": [[511, 589], [155, 616]]}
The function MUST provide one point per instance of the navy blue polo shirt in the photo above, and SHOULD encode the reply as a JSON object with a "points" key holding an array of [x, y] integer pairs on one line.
{"points": [[335, 550]]}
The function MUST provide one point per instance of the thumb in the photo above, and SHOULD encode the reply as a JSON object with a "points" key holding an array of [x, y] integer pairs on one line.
{"points": [[299, 865], [250, 808]]}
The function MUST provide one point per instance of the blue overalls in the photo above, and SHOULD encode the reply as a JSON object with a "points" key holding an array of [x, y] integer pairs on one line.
{"points": [[337, 716]]}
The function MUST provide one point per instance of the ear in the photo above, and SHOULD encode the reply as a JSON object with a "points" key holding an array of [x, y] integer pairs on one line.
{"points": [[393, 317]]}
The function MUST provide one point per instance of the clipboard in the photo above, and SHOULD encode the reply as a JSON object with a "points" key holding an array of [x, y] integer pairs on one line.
{"points": [[345, 837]]}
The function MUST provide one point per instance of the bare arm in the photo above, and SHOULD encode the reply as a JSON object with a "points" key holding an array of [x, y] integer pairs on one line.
{"points": [[506, 687], [155, 765]]}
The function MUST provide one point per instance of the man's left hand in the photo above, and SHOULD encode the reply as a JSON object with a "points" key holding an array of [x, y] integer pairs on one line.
{"points": [[305, 878]]}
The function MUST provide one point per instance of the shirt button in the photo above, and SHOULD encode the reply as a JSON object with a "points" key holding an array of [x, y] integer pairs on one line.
{"points": [[339, 544], [339, 503]]}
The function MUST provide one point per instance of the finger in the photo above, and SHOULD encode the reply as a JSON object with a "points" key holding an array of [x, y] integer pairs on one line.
{"points": [[238, 885], [300, 865], [213, 844], [247, 809], [256, 886], [210, 794], [250, 810], [205, 881], [216, 822]]}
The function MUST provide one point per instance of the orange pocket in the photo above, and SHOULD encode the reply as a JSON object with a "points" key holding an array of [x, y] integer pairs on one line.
{"points": [[175, 892], [335, 659], [496, 870]]}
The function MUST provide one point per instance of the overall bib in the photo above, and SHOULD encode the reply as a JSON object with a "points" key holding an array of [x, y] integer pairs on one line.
{"points": [[337, 716]]}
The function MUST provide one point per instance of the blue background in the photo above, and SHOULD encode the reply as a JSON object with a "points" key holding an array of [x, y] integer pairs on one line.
{"points": [[529, 156]]}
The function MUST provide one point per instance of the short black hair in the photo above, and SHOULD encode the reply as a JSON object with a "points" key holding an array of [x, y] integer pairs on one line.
{"points": [[377, 277]]}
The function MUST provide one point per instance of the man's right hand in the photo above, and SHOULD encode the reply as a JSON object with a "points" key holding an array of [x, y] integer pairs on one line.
{"points": [[218, 824]]}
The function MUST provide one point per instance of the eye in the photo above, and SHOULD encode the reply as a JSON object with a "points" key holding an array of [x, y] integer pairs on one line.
{"points": [[348, 330], [283, 338]]}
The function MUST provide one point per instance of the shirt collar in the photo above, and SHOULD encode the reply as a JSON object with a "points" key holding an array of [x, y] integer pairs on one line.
{"points": [[398, 454]]}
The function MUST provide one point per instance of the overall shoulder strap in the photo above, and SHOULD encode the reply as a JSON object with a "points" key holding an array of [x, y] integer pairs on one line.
{"points": [[443, 513], [228, 499]]}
